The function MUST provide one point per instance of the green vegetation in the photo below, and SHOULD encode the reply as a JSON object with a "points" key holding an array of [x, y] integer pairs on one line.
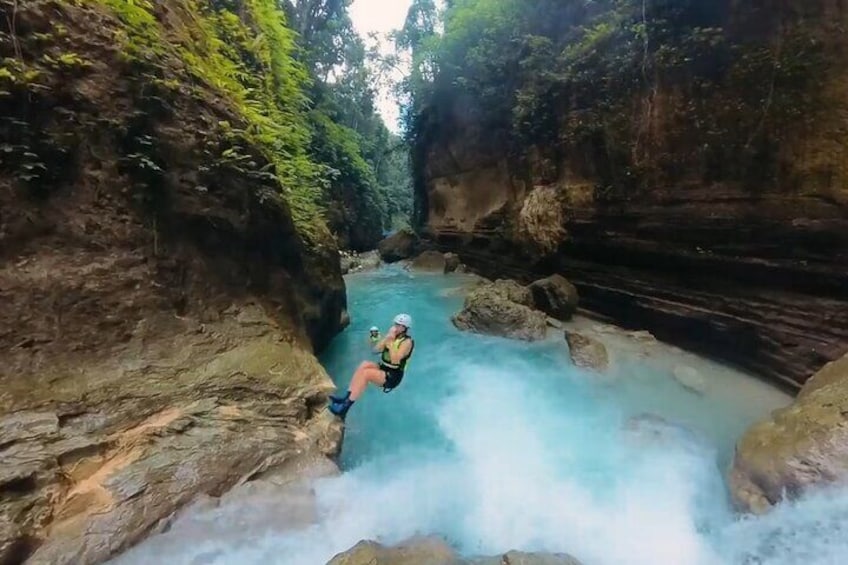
{"points": [[290, 77], [633, 93]]}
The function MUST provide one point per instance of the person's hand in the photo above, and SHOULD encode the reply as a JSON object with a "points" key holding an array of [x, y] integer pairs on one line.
{"points": [[392, 333]]}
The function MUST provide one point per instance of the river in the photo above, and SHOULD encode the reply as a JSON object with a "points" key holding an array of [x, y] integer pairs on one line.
{"points": [[497, 444]]}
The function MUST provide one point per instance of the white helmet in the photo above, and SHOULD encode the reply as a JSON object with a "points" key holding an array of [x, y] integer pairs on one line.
{"points": [[403, 320], [374, 329]]}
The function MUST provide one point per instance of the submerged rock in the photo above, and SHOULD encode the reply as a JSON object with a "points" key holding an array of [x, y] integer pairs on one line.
{"points": [[523, 558], [398, 246], [650, 430], [555, 296], [501, 309], [798, 448], [587, 352], [690, 379], [434, 551]]}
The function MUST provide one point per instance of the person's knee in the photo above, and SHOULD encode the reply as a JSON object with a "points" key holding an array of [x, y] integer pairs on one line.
{"points": [[365, 365], [375, 376]]}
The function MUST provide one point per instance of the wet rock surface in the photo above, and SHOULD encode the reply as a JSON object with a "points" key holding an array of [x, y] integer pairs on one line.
{"points": [[434, 551], [279, 500], [555, 296], [502, 308], [799, 448], [122, 444], [587, 352]]}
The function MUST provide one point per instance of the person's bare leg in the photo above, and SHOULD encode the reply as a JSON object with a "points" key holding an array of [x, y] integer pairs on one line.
{"points": [[365, 365], [358, 384], [362, 378]]}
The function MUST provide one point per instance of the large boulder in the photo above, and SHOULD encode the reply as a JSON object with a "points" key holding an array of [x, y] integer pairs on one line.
{"points": [[512, 291], [502, 309], [798, 448], [429, 261], [434, 551], [555, 296], [452, 262], [587, 352], [398, 246]]}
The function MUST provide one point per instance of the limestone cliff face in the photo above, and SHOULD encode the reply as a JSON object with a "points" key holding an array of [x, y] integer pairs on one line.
{"points": [[731, 238], [149, 353]]}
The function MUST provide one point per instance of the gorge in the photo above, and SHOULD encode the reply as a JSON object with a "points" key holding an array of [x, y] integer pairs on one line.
{"points": [[191, 195]]}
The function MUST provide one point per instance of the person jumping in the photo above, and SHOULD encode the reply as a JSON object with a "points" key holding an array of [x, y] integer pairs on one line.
{"points": [[396, 349]]}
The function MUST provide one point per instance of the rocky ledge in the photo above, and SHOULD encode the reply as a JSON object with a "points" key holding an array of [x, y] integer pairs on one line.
{"points": [[95, 455]]}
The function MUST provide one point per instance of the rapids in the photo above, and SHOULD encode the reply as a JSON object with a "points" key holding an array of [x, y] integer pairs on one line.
{"points": [[496, 445]]}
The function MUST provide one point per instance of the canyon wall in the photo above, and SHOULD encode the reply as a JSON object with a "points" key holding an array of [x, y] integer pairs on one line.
{"points": [[161, 300], [709, 205]]}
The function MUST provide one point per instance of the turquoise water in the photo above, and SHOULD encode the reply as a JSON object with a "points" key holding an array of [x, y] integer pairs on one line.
{"points": [[497, 445]]}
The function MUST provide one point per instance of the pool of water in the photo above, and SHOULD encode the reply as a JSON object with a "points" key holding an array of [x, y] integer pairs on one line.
{"points": [[497, 444]]}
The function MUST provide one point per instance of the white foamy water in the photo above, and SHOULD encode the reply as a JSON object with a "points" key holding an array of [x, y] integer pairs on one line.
{"points": [[499, 445]]}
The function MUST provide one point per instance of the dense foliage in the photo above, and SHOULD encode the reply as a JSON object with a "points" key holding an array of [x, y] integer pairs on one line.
{"points": [[371, 186], [634, 93], [293, 73]]}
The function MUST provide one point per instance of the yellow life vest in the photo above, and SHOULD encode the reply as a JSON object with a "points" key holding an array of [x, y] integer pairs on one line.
{"points": [[395, 345]]}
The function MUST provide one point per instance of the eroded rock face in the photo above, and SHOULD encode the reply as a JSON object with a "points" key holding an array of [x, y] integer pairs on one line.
{"points": [[501, 309], [555, 296], [115, 446], [434, 551], [688, 250], [798, 448], [398, 246], [587, 352], [277, 501]]}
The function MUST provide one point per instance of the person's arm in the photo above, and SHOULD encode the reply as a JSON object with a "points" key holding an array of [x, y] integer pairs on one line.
{"points": [[401, 352], [381, 345]]}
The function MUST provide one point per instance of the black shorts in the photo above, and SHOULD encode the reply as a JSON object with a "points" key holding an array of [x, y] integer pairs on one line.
{"points": [[393, 377]]}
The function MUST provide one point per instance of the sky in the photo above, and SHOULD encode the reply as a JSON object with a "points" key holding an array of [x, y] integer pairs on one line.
{"points": [[381, 16]]}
